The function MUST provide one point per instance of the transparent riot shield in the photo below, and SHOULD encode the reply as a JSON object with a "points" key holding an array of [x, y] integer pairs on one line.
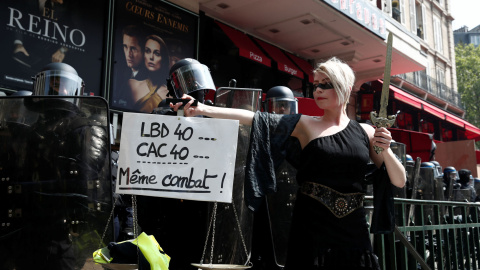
{"points": [[55, 181], [409, 168], [461, 195], [280, 209], [439, 195], [425, 192], [233, 224]]}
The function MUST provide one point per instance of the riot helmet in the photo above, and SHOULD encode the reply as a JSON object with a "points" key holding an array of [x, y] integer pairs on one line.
{"points": [[280, 100], [409, 160], [438, 168], [427, 165], [58, 79], [476, 184], [464, 176], [188, 76], [476, 181], [450, 173]]}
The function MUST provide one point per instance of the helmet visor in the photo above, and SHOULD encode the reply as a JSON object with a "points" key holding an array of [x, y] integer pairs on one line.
{"points": [[452, 175], [191, 78], [58, 83], [282, 106]]}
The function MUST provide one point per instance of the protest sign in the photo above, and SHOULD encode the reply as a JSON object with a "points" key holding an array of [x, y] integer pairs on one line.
{"points": [[177, 157]]}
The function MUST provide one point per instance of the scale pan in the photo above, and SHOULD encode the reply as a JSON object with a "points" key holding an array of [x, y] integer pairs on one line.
{"points": [[208, 266], [119, 266]]}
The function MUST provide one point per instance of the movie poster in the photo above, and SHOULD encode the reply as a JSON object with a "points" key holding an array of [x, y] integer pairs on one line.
{"points": [[149, 37], [37, 32]]}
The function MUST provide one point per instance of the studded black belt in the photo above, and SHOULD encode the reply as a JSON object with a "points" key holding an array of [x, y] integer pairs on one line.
{"points": [[340, 204]]}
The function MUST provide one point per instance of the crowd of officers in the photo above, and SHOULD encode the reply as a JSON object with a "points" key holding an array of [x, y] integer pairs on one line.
{"points": [[444, 184]]}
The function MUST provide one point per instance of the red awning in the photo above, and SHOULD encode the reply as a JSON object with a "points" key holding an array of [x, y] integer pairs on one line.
{"points": [[304, 65], [455, 120], [283, 63], [406, 98], [471, 132], [434, 110], [245, 45]]}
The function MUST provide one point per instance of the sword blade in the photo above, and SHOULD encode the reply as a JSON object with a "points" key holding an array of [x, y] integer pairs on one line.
{"points": [[386, 78]]}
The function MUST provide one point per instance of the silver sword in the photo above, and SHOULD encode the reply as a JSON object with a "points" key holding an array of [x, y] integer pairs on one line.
{"points": [[382, 119]]}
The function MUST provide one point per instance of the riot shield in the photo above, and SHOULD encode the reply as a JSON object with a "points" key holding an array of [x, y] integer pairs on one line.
{"points": [[439, 195], [413, 175], [234, 221], [462, 195], [55, 181], [425, 191], [280, 209]]}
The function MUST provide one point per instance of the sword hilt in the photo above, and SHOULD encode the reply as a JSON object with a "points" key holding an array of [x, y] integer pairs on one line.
{"points": [[379, 122]]}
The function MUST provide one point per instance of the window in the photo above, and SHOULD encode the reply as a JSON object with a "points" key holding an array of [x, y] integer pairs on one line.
{"points": [[424, 23], [475, 39], [413, 16], [440, 75], [397, 10], [402, 11], [441, 82], [437, 32], [420, 21]]}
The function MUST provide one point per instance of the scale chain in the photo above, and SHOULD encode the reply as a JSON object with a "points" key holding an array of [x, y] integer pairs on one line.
{"points": [[241, 233], [108, 222], [213, 231], [206, 240], [135, 226]]}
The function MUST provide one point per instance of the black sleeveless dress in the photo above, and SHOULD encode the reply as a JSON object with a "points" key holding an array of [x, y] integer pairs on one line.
{"points": [[319, 238]]}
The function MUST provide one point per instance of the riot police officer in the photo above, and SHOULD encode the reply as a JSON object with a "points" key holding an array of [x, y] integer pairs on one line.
{"points": [[67, 156], [190, 77], [186, 76], [280, 100], [273, 220], [450, 177], [466, 182], [438, 168]]}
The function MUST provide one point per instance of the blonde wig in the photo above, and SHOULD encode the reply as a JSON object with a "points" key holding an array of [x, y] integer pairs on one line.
{"points": [[341, 77]]}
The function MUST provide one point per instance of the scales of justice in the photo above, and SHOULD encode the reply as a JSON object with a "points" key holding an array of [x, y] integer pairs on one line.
{"points": [[221, 228]]}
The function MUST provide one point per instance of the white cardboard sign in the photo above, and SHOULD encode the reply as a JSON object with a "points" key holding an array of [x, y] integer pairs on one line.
{"points": [[188, 158]]}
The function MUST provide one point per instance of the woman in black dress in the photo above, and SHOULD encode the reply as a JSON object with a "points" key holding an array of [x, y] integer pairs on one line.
{"points": [[329, 228]]}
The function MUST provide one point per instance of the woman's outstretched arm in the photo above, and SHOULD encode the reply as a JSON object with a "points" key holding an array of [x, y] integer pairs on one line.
{"points": [[244, 116]]}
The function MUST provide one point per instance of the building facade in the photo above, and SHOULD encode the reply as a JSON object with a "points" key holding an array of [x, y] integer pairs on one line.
{"points": [[466, 36]]}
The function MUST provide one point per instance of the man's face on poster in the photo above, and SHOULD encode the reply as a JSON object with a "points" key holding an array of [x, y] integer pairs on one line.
{"points": [[133, 52]]}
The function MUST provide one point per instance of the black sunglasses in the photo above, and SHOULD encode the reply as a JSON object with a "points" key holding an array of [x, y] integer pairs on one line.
{"points": [[323, 86]]}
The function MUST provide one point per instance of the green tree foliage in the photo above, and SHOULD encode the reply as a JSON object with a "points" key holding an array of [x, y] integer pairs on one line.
{"points": [[467, 59]]}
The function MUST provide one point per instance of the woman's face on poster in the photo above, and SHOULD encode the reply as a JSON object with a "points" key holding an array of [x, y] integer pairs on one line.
{"points": [[152, 55]]}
